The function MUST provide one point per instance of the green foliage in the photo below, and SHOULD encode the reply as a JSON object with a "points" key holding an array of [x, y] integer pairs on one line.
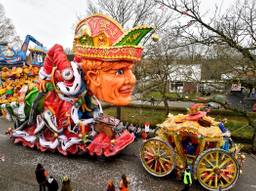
{"points": [[172, 95], [155, 95], [236, 124], [239, 129]]}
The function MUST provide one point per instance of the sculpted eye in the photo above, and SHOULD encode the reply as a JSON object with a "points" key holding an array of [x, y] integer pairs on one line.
{"points": [[119, 72], [67, 74]]}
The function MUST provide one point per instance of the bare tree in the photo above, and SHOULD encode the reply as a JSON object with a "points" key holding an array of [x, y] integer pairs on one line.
{"points": [[7, 29], [166, 64], [131, 13], [234, 30]]}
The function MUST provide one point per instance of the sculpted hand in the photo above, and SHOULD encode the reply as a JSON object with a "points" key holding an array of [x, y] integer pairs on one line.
{"points": [[42, 85]]}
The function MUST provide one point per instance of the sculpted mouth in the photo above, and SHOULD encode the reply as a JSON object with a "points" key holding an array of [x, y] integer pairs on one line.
{"points": [[69, 82], [126, 90]]}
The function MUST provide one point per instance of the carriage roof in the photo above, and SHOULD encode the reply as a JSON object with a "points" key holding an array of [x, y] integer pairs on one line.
{"points": [[205, 126]]}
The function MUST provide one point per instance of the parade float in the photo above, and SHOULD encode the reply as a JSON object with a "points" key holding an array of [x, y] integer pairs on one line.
{"points": [[18, 72], [63, 113], [10, 57], [194, 140]]}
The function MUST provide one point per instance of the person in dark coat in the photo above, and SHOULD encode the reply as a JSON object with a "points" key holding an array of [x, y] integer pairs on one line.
{"points": [[66, 186], [41, 177], [52, 184]]}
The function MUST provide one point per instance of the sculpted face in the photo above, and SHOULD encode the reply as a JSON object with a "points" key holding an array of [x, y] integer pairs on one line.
{"points": [[113, 82]]}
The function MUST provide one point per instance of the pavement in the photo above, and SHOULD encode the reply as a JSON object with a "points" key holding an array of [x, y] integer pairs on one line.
{"points": [[89, 173], [174, 104]]}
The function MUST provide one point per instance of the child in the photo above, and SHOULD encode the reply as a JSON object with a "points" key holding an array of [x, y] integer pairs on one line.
{"points": [[52, 184], [66, 184], [110, 186], [123, 185]]}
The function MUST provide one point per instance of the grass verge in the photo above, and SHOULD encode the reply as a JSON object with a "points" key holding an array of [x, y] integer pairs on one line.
{"points": [[138, 115]]}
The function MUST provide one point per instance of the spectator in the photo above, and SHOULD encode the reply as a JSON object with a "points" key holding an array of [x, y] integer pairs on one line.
{"points": [[41, 175], [52, 184], [187, 179], [123, 184], [66, 186], [222, 126], [110, 186], [152, 100], [191, 150]]}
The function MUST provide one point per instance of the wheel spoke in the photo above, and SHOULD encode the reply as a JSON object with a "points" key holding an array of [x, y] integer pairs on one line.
{"points": [[207, 177], [166, 160], [225, 178], [205, 170], [151, 149], [221, 183], [216, 181], [209, 162], [217, 158], [163, 167], [149, 161], [225, 162], [158, 149], [228, 170], [211, 156], [155, 165], [148, 153], [210, 183], [151, 166]]}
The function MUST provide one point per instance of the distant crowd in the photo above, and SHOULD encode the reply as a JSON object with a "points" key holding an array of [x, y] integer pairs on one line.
{"points": [[47, 182]]}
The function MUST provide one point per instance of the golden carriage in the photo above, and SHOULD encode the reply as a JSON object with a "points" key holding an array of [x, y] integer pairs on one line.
{"points": [[193, 140]]}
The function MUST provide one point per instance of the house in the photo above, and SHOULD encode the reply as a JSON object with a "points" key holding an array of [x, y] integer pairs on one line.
{"points": [[185, 78]]}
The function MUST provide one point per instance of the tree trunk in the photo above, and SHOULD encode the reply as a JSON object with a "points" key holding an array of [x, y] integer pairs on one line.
{"points": [[252, 123], [167, 110], [254, 136], [254, 141], [118, 113]]}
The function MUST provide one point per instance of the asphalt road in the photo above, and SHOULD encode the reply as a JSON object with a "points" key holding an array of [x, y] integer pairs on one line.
{"points": [[91, 174]]}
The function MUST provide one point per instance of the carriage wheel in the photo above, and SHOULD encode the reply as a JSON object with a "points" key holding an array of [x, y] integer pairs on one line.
{"points": [[216, 168], [157, 157]]}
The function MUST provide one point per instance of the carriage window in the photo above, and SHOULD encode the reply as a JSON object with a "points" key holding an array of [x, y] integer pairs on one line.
{"points": [[190, 145]]}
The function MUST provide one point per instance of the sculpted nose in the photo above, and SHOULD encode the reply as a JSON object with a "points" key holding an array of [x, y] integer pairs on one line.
{"points": [[130, 78]]}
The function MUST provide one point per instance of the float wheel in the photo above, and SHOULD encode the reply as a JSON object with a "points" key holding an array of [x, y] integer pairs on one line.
{"points": [[216, 168], [157, 157]]}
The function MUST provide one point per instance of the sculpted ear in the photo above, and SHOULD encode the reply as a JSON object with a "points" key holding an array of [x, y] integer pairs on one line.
{"points": [[93, 78]]}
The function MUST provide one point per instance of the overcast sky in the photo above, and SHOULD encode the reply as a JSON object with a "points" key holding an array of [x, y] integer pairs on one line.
{"points": [[49, 21], [52, 21]]}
